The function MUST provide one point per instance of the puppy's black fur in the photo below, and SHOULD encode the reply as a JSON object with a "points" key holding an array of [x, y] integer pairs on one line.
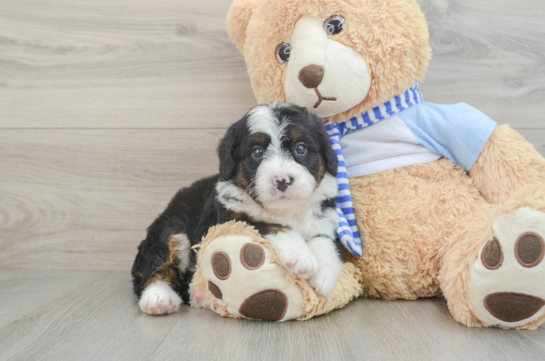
{"points": [[193, 210]]}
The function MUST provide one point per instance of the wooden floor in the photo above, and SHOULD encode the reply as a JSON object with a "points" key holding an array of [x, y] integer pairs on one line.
{"points": [[91, 315], [107, 107]]}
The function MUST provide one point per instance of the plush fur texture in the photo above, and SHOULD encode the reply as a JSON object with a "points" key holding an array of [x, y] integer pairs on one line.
{"points": [[410, 214], [520, 165], [390, 35], [425, 224]]}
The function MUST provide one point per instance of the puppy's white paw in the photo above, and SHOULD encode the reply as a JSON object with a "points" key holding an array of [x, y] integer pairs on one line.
{"points": [[299, 260], [331, 266], [324, 280], [159, 299]]}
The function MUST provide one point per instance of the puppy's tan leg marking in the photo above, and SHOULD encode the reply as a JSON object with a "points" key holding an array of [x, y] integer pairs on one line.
{"points": [[180, 251]]}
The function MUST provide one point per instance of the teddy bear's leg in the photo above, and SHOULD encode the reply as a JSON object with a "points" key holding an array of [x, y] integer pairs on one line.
{"points": [[495, 276], [239, 275], [507, 163]]}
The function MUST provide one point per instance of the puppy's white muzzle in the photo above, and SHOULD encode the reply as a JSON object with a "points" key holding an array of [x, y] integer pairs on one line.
{"points": [[282, 182]]}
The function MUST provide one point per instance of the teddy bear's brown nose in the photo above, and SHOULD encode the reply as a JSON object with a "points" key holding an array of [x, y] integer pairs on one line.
{"points": [[311, 75]]}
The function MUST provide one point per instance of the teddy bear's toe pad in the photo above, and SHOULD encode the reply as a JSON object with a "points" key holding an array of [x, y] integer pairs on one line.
{"points": [[506, 285], [529, 249], [252, 256], [491, 255], [241, 276], [215, 290], [221, 264]]}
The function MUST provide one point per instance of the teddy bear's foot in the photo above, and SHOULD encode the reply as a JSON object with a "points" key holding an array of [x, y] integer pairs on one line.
{"points": [[242, 279], [239, 274], [506, 285]]}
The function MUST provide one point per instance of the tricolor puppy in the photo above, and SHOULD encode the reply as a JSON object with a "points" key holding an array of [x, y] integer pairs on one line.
{"points": [[277, 173]]}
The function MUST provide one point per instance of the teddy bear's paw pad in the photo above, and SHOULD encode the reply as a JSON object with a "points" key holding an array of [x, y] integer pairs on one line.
{"points": [[241, 276], [159, 299], [506, 285], [511, 306], [269, 305]]}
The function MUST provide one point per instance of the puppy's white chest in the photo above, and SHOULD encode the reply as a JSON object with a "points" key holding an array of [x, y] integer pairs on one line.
{"points": [[321, 224]]}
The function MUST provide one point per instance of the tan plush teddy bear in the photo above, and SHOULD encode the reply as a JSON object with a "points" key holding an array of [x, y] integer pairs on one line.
{"points": [[433, 199]]}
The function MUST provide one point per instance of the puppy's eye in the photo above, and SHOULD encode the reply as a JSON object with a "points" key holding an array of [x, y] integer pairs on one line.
{"points": [[334, 24], [301, 149], [257, 152], [283, 51]]}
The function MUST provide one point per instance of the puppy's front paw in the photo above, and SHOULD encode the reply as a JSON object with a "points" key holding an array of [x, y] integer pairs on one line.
{"points": [[299, 260], [331, 265], [324, 280], [159, 299]]}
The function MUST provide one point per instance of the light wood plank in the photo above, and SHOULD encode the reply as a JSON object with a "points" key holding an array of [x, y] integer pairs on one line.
{"points": [[98, 319], [536, 137], [16, 287], [170, 64], [82, 199], [119, 64], [488, 54]]}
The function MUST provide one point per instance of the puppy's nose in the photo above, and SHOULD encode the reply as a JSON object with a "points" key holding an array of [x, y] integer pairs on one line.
{"points": [[311, 75], [282, 183]]}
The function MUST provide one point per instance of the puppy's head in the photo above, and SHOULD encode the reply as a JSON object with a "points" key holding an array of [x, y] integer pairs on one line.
{"points": [[278, 154]]}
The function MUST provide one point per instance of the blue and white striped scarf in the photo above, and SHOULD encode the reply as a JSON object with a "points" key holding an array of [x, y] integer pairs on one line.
{"points": [[348, 229]]}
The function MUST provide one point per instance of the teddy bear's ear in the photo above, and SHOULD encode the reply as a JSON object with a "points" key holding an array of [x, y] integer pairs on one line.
{"points": [[238, 18]]}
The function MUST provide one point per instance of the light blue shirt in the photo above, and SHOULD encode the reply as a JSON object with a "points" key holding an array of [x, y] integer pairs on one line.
{"points": [[457, 132]]}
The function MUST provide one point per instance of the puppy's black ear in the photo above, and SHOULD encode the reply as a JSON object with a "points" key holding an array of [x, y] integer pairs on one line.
{"points": [[227, 150], [303, 110]]}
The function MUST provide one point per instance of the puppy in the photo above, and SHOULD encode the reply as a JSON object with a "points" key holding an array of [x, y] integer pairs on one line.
{"points": [[277, 173]]}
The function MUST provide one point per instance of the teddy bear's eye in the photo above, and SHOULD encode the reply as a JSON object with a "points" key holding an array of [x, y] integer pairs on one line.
{"points": [[334, 24], [283, 53]]}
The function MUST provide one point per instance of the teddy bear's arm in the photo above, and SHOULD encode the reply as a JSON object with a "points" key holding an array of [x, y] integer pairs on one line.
{"points": [[506, 163], [498, 159]]}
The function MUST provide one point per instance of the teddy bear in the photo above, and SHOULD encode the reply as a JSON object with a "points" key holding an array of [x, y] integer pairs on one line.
{"points": [[433, 199]]}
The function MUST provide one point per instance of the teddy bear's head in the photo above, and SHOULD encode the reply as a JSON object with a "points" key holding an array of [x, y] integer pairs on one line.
{"points": [[338, 58]]}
